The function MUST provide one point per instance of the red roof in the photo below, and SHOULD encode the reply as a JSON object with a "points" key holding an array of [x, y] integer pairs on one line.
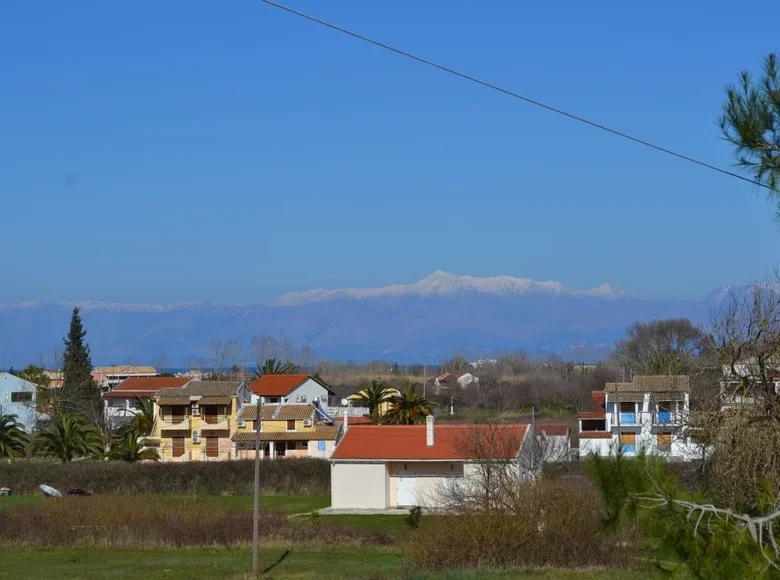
{"points": [[592, 415], [146, 386], [556, 429], [408, 442], [596, 435], [363, 420], [277, 385]]}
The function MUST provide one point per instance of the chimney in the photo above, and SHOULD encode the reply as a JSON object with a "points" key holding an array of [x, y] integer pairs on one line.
{"points": [[346, 418], [429, 430]]}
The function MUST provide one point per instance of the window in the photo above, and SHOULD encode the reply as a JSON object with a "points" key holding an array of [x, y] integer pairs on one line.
{"points": [[21, 397], [291, 424], [627, 407], [304, 444], [273, 399], [664, 441], [628, 442]]}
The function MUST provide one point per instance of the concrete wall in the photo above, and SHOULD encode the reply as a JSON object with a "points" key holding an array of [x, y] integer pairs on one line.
{"points": [[598, 446], [25, 411], [310, 389], [358, 485], [431, 478]]}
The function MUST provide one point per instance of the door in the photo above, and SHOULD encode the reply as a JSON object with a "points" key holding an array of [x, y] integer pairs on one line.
{"points": [[406, 491], [210, 413], [628, 442], [212, 446], [177, 446]]}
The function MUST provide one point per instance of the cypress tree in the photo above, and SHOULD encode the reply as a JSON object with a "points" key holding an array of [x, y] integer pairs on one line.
{"points": [[80, 393]]}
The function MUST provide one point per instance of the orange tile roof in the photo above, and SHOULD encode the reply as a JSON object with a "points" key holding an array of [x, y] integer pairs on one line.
{"points": [[146, 386], [276, 385], [592, 415], [408, 442], [595, 435], [553, 430]]}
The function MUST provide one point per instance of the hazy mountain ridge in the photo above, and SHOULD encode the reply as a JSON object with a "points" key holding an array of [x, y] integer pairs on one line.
{"points": [[426, 320]]}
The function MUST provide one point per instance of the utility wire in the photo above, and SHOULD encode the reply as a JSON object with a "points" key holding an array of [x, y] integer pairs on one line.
{"points": [[513, 94]]}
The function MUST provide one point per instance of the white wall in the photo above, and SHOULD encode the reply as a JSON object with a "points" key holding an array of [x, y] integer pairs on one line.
{"points": [[314, 449], [430, 477], [601, 447], [358, 485], [311, 389]]}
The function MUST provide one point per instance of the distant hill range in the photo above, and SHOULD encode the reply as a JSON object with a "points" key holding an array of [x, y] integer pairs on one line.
{"points": [[426, 320]]}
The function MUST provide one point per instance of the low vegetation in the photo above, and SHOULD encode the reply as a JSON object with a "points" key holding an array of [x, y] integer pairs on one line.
{"points": [[145, 522], [549, 525], [299, 476]]}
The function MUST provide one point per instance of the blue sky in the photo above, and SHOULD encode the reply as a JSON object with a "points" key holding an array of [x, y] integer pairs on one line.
{"points": [[231, 152]]}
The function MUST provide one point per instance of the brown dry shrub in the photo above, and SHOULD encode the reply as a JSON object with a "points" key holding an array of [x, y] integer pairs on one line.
{"points": [[549, 524], [148, 522]]}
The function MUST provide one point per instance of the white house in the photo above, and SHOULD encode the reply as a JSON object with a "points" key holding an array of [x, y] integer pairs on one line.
{"points": [[115, 374], [378, 467], [290, 389], [553, 442], [649, 414], [18, 397], [451, 379]]}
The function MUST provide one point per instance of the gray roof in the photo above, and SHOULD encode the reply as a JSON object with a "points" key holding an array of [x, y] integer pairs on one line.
{"points": [[652, 384], [203, 388]]}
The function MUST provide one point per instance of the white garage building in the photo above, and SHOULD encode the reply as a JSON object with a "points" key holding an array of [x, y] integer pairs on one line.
{"points": [[377, 467]]}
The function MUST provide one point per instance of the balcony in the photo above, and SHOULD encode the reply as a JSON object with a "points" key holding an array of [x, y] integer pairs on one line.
{"points": [[628, 418], [218, 423], [174, 424]]}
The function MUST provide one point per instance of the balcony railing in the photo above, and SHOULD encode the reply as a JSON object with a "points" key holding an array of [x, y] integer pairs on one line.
{"points": [[174, 424], [628, 418], [221, 423]]}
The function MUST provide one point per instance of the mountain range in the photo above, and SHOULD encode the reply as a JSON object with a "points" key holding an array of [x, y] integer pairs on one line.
{"points": [[423, 321]]}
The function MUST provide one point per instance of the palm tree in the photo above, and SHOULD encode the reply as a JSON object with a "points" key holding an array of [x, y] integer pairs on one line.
{"points": [[13, 439], [273, 366], [407, 407], [143, 422], [374, 394], [70, 436], [130, 448]]}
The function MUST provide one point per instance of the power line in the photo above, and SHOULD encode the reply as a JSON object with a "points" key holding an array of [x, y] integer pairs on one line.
{"points": [[513, 94]]}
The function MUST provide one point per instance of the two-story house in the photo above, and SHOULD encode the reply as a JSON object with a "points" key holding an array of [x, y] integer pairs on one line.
{"points": [[115, 374], [17, 397], [290, 389], [123, 402], [286, 430], [649, 414], [196, 422]]}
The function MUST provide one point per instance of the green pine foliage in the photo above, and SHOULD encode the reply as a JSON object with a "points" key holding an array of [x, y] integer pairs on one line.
{"points": [[80, 393]]}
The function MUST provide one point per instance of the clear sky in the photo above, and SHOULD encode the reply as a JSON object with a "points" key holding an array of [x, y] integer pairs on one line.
{"points": [[227, 151]]}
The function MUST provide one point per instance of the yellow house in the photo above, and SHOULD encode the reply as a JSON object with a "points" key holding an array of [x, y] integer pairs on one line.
{"points": [[286, 430], [195, 422]]}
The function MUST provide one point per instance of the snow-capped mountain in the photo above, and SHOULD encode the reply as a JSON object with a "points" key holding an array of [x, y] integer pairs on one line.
{"points": [[441, 283], [402, 322]]}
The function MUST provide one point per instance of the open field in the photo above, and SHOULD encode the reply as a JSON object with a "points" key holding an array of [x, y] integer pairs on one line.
{"points": [[279, 563], [280, 558]]}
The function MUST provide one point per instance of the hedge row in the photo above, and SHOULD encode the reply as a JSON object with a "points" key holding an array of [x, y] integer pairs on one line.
{"points": [[299, 476]]}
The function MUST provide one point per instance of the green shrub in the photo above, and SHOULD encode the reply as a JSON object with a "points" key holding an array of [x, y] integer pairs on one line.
{"points": [[413, 519], [293, 476]]}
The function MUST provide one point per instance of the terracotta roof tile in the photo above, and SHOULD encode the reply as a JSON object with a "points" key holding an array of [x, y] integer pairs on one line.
{"points": [[319, 433], [592, 415], [553, 430], [408, 442], [276, 385], [595, 435], [146, 386], [203, 389], [296, 411]]}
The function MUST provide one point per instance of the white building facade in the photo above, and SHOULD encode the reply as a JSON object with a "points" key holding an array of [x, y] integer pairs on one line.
{"points": [[651, 415]]}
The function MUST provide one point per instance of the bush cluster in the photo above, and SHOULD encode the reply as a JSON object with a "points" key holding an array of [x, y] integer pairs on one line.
{"points": [[139, 522], [549, 524], [293, 476]]}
